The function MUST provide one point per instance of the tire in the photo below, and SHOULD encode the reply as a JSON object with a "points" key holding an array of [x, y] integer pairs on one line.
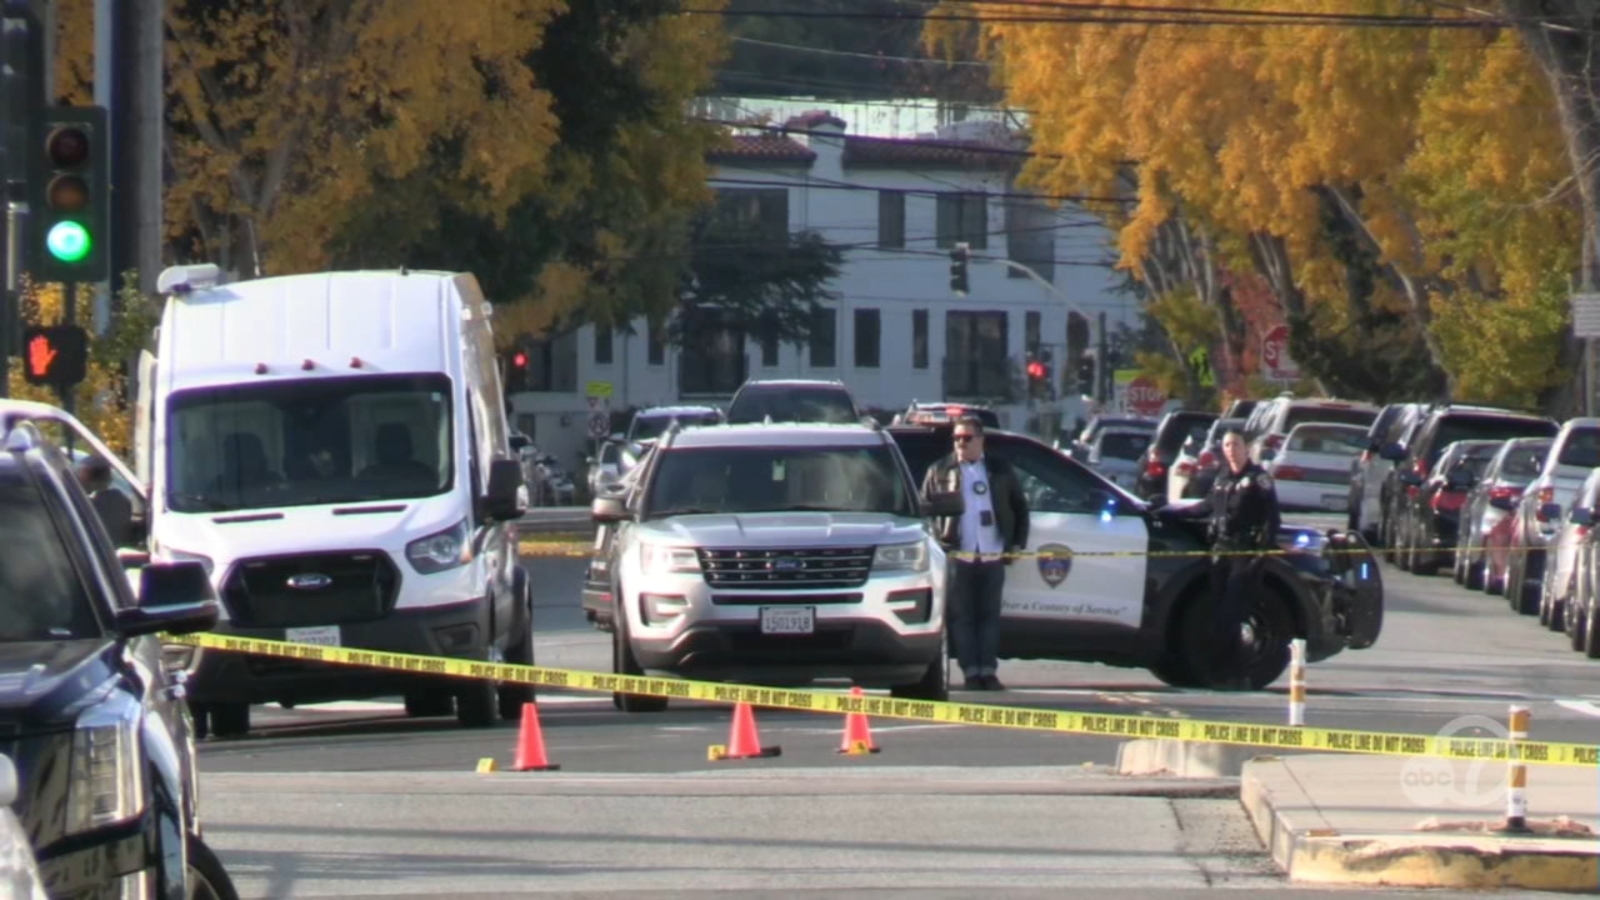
{"points": [[1174, 671], [623, 662], [1514, 563], [477, 702], [1521, 600], [1474, 571], [430, 704], [512, 697], [208, 879], [935, 683], [229, 720], [1272, 627]]}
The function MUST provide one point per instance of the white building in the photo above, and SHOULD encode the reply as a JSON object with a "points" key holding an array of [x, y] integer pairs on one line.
{"points": [[895, 331]]}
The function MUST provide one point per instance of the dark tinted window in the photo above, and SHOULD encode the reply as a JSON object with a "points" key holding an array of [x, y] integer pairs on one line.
{"points": [[699, 480], [1180, 428], [1486, 428], [42, 596], [1320, 437], [922, 449], [1051, 482], [1122, 445], [1298, 414], [1582, 448], [793, 404]]}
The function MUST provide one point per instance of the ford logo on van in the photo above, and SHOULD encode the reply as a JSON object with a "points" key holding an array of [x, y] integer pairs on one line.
{"points": [[787, 565], [309, 581]]}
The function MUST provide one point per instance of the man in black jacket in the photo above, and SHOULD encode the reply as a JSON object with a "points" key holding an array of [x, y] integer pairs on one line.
{"points": [[993, 526]]}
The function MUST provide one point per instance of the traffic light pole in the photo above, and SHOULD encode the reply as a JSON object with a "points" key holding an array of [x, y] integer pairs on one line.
{"points": [[69, 316]]}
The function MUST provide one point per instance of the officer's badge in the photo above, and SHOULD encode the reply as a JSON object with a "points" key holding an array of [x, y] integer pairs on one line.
{"points": [[1265, 481], [1055, 563], [1244, 482]]}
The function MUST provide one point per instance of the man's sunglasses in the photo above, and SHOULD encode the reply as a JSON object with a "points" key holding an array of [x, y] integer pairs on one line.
{"points": [[965, 438]]}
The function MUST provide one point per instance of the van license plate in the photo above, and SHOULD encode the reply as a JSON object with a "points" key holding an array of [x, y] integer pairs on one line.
{"points": [[322, 635], [788, 619], [1334, 502]]}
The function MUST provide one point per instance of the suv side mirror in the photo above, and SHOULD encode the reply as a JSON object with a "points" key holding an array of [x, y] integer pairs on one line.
{"points": [[606, 509], [944, 505], [175, 598], [500, 502], [1393, 452]]}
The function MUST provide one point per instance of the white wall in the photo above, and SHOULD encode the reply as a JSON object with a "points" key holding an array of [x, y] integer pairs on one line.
{"points": [[895, 283]]}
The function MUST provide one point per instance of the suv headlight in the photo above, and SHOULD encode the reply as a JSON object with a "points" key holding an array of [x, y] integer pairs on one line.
{"points": [[107, 780], [912, 557], [444, 550], [657, 560]]}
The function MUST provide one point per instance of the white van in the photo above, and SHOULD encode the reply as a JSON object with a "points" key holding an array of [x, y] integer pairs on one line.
{"points": [[333, 447]]}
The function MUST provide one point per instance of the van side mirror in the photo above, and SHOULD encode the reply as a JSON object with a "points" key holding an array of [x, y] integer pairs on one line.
{"points": [[607, 509], [944, 505], [500, 502], [174, 598], [1393, 452]]}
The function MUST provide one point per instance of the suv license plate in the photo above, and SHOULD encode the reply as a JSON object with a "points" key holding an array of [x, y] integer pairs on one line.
{"points": [[323, 635], [788, 619], [1333, 502]]}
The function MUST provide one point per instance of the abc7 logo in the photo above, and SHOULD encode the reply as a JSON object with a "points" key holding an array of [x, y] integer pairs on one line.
{"points": [[1467, 783]]}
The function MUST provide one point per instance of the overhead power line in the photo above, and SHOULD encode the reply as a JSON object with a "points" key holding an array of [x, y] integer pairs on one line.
{"points": [[1108, 14], [933, 143], [830, 185]]}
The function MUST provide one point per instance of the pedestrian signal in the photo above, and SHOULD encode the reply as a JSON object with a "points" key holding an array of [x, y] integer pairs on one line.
{"points": [[55, 355]]}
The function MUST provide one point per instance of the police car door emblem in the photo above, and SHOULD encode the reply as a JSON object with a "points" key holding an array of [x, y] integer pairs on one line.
{"points": [[1055, 563]]}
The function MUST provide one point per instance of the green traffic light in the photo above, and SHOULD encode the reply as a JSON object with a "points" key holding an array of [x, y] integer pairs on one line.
{"points": [[68, 242]]}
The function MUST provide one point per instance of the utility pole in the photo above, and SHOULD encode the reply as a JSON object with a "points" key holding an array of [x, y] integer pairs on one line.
{"points": [[1102, 388], [128, 82]]}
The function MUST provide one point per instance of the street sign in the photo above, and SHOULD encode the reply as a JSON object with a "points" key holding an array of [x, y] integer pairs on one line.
{"points": [[1275, 355], [1586, 315], [598, 389], [599, 426], [1144, 397]]}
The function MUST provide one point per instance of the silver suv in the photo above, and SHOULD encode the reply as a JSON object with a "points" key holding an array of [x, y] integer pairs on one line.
{"points": [[779, 555]]}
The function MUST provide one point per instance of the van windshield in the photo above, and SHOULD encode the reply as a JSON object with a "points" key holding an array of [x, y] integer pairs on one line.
{"points": [[305, 443]]}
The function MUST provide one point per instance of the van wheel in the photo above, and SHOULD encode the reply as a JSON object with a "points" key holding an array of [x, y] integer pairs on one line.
{"points": [[229, 720], [623, 662], [429, 704], [935, 683], [512, 697]]}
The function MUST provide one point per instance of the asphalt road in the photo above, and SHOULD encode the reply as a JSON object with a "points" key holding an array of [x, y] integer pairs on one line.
{"points": [[1446, 654]]}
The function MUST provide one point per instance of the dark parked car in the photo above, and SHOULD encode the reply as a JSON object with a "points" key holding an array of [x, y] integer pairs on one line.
{"points": [[99, 732], [1176, 429], [1431, 511]]}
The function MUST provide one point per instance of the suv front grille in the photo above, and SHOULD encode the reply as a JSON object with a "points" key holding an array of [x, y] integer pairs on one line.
{"points": [[833, 567], [354, 587]]}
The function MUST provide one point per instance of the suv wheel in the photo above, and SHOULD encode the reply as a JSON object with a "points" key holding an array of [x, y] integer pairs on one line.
{"points": [[935, 683], [623, 662], [428, 704], [208, 880]]}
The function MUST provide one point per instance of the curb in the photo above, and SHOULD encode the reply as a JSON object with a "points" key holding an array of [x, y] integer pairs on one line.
{"points": [[1309, 850], [1186, 759]]}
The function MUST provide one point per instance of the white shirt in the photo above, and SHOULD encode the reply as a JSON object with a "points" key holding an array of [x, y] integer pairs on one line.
{"points": [[977, 491]]}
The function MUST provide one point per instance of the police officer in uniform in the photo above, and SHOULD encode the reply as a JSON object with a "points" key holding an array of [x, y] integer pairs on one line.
{"points": [[1243, 509]]}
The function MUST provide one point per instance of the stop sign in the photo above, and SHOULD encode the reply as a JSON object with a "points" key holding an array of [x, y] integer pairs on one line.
{"points": [[1144, 397]]}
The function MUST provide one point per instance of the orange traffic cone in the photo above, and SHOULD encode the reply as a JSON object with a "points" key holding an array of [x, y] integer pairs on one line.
{"points": [[743, 740], [530, 744], [857, 733]]}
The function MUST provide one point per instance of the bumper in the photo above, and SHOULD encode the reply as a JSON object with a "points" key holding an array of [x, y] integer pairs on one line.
{"points": [[1304, 496], [459, 630], [865, 651], [112, 866]]}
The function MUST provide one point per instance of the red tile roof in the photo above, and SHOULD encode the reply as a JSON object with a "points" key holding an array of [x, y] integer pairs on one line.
{"points": [[763, 148], [895, 152], [815, 119]]}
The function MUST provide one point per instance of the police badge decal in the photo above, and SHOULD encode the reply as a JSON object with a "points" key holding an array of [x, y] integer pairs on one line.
{"points": [[1055, 563]]}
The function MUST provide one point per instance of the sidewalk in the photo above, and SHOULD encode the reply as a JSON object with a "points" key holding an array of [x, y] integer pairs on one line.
{"points": [[1340, 819]]}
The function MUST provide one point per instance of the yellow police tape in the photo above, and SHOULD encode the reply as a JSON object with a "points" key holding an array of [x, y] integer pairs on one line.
{"points": [[1335, 740]]}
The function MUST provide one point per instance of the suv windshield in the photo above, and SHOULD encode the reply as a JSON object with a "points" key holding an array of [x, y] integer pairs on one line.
{"points": [[793, 404], [650, 427], [708, 480], [301, 443], [42, 598]]}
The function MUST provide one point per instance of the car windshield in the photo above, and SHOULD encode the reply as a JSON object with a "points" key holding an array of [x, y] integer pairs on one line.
{"points": [[1123, 444], [1582, 448], [793, 404], [1341, 440], [1330, 414], [302, 443], [705, 480], [1522, 462], [1488, 428], [650, 427], [42, 597]]}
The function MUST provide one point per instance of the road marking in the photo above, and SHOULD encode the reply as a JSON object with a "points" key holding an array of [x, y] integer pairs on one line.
{"points": [[1586, 707], [397, 706]]}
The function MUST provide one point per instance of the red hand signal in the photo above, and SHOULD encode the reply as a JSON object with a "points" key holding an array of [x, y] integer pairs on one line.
{"points": [[40, 356]]}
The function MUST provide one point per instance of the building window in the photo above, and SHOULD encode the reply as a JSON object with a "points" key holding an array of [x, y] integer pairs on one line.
{"points": [[963, 218], [1031, 229], [824, 338], [976, 363], [656, 346], [868, 337], [1031, 332], [603, 342], [766, 210], [919, 339], [891, 219], [714, 363]]}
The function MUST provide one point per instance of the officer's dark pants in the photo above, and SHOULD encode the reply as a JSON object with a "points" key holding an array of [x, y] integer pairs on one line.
{"points": [[1233, 583], [974, 604]]}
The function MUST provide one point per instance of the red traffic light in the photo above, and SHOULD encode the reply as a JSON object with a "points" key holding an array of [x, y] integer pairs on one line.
{"points": [[67, 147], [520, 360], [1036, 369]]}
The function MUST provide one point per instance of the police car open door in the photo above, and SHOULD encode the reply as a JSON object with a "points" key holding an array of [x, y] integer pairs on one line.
{"points": [[1070, 517]]}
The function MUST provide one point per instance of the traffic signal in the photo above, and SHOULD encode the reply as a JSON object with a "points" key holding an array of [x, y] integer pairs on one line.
{"points": [[55, 355], [1086, 383], [70, 202], [960, 255], [517, 372], [1038, 386]]}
